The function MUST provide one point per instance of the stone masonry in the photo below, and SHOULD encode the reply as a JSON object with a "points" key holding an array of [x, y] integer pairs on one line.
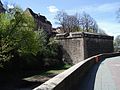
{"points": [[78, 46]]}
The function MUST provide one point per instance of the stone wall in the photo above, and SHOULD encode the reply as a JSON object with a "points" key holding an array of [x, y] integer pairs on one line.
{"points": [[78, 46], [96, 44], [72, 47]]}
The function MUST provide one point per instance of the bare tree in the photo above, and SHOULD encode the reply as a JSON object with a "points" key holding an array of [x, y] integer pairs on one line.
{"points": [[69, 23], [95, 27], [72, 23], [61, 17], [117, 43], [87, 23], [76, 22], [118, 15], [101, 31]]}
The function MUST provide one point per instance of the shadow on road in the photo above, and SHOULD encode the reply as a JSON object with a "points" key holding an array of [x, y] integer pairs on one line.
{"points": [[87, 83]]}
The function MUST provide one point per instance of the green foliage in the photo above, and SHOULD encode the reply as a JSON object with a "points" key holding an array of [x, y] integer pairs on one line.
{"points": [[76, 29], [20, 46], [53, 47], [16, 35], [4, 46], [41, 37], [46, 48]]}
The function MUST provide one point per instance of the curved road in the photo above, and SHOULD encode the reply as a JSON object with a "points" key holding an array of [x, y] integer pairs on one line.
{"points": [[103, 76]]}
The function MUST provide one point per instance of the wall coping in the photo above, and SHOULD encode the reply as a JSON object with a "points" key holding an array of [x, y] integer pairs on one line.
{"points": [[57, 80], [72, 35], [53, 82]]}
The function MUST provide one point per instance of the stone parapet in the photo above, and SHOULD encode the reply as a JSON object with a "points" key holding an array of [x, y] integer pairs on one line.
{"points": [[71, 78]]}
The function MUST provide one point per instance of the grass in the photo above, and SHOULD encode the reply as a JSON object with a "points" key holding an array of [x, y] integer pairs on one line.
{"points": [[46, 75], [29, 79], [56, 70]]}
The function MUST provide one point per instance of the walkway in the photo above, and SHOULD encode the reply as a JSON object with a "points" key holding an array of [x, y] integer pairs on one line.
{"points": [[103, 76]]}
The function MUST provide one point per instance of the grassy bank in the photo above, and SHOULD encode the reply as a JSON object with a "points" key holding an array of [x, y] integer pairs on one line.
{"points": [[28, 79]]}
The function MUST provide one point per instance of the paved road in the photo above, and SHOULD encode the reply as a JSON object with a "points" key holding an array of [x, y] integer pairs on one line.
{"points": [[103, 76]]}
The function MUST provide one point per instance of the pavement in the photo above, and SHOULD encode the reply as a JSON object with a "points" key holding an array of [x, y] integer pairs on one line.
{"points": [[103, 76]]}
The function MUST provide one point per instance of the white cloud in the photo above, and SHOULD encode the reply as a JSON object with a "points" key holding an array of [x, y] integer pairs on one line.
{"points": [[108, 7], [10, 6], [53, 9], [111, 28], [97, 8]]}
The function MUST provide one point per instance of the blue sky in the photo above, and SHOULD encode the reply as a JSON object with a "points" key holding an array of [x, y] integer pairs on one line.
{"points": [[103, 11]]}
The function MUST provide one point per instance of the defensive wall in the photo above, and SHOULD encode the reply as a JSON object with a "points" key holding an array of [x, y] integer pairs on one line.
{"points": [[71, 78], [78, 46]]}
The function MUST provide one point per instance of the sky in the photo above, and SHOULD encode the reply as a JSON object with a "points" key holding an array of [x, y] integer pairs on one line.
{"points": [[103, 11]]}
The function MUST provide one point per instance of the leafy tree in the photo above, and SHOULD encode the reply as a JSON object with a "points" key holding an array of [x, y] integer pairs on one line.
{"points": [[20, 45], [17, 35], [4, 46]]}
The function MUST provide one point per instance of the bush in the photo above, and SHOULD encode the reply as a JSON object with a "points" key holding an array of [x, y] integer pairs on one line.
{"points": [[21, 48]]}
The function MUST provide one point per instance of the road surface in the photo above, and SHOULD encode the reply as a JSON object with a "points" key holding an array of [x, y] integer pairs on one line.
{"points": [[103, 76]]}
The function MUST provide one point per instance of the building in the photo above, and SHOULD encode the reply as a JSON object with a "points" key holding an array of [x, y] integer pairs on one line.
{"points": [[40, 20], [2, 10]]}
